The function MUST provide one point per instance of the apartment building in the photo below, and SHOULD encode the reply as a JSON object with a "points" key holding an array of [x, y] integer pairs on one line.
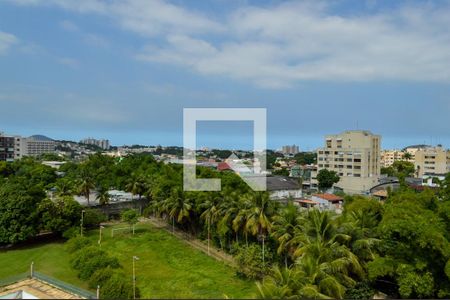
{"points": [[6, 147], [290, 149], [355, 156], [16, 147], [104, 144], [432, 161], [388, 157], [38, 144]]}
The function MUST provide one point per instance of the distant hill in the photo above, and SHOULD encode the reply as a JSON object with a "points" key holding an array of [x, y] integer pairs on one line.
{"points": [[39, 137]]}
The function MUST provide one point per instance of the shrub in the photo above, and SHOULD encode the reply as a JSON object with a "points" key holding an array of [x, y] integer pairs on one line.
{"points": [[77, 243], [91, 259], [71, 232], [100, 277], [118, 286], [249, 259], [93, 218]]}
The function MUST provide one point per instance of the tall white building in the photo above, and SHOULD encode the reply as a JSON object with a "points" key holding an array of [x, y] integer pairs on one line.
{"points": [[104, 144], [290, 149], [14, 147], [355, 156]]}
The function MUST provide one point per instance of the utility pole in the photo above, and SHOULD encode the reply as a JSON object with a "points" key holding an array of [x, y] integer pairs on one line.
{"points": [[100, 236], [82, 221], [134, 276]]}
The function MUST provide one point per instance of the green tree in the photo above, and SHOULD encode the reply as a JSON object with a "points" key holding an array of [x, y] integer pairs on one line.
{"points": [[130, 216], [284, 227], [327, 179], [60, 214], [86, 185]]}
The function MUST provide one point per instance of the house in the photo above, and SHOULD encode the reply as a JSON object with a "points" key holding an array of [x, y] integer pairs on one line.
{"points": [[305, 203], [328, 201], [283, 187], [223, 166]]}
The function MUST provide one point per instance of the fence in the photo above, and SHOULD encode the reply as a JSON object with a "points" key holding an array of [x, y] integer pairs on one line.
{"points": [[64, 286], [13, 279]]}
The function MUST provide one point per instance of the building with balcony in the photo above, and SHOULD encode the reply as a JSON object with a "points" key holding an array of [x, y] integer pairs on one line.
{"points": [[355, 156], [388, 157], [432, 161], [7, 147]]}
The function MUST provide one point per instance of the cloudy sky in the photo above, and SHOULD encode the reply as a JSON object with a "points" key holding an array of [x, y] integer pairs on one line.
{"points": [[125, 69]]}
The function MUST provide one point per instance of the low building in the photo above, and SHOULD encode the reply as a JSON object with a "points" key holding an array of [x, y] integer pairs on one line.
{"points": [[308, 175], [283, 187], [328, 201], [40, 286], [305, 203]]}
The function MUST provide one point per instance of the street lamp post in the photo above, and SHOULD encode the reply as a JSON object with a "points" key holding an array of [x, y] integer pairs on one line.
{"points": [[100, 236], [134, 276], [81, 223]]}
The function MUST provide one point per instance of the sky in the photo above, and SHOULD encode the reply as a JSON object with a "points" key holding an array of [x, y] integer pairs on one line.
{"points": [[125, 69]]}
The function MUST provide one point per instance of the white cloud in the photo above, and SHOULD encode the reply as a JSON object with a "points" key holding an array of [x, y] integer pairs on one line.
{"points": [[69, 26], [281, 45], [6, 41], [70, 62]]}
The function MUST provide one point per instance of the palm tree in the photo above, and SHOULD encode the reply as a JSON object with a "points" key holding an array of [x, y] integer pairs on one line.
{"points": [[64, 187], [284, 227], [407, 156], [210, 213], [258, 216], [136, 186], [323, 258], [360, 225], [177, 206], [229, 209], [282, 283], [103, 195], [86, 185]]}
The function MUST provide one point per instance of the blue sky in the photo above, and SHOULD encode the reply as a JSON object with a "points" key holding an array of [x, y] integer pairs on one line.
{"points": [[124, 70]]}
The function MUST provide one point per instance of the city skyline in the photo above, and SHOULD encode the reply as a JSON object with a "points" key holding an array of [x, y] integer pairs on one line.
{"points": [[125, 72]]}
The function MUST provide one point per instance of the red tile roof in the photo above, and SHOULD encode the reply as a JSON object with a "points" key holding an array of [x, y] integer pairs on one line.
{"points": [[306, 201], [222, 166], [329, 197]]}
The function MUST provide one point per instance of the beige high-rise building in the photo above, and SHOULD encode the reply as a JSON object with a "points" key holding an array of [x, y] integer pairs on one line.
{"points": [[388, 157], [432, 161], [355, 156]]}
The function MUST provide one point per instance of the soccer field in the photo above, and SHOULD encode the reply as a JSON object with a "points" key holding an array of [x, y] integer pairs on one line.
{"points": [[167, 267]]}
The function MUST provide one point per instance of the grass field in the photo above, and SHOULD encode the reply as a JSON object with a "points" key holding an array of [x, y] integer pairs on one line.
{"points": [[50, 259], [167, 267]]}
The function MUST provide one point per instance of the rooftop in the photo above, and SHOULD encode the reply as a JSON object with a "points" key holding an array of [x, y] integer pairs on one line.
{"points": [[329, 197]]}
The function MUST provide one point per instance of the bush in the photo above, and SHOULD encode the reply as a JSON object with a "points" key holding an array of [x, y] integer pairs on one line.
{"points": [[93, 218], [77, 243], [91, 259], [250, 261], [100, 277], [362, 290], [71, 232], [118, 286]]}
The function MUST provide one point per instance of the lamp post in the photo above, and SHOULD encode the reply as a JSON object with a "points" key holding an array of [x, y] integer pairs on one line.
{"points": [[134, 276], [100, 236], [81, 223]]}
